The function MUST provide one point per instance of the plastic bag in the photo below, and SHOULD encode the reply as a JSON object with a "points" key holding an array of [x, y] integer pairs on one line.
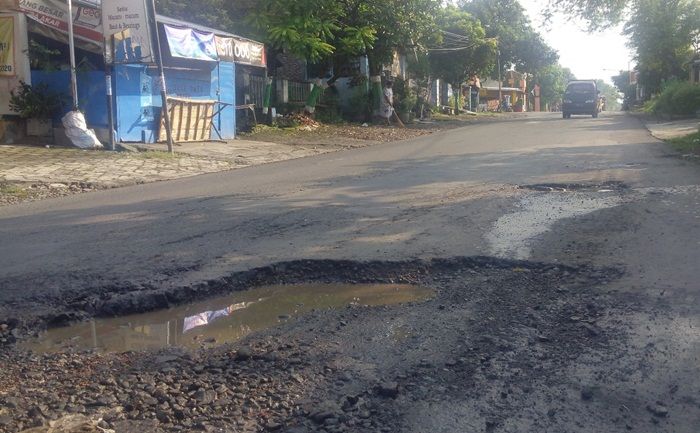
{"points": [[77, 131]]}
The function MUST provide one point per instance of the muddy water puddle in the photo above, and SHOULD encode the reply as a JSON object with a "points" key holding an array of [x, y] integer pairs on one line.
{"points": [[220, 320]]}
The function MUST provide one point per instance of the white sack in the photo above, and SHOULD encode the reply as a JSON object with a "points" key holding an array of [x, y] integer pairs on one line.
{"points": [[77, 131]]}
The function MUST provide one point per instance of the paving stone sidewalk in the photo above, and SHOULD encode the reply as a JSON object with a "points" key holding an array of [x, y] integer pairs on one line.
{"points": [[35, 172], [672, 129]]}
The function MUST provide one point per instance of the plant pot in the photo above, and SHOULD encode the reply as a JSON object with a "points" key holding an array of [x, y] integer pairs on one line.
{"points": [[39, 127]]}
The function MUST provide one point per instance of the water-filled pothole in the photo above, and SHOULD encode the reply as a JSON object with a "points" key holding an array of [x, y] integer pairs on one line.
{"points": [[608, 186], [222, 319]]}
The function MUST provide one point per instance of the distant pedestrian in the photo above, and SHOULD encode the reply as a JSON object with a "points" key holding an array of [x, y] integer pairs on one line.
{"points": [[386, 107]]}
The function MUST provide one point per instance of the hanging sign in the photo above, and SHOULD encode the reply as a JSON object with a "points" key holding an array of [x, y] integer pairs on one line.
{"points": [[7, 48], [191, 44], [240, 51], [224, 48], [248, 52], [127, 29]]}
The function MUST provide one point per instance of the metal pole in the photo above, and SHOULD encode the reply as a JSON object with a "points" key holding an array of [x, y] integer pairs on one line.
{"points": [[110, 111], [500, 93], [161, 73], [71, 50]]}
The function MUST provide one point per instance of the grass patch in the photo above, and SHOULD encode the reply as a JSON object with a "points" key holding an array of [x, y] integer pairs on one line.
{"points": [[13, 190], [688, 144]]}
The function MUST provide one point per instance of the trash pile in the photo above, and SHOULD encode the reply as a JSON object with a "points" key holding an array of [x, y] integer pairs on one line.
{"points": [[297, 120]]}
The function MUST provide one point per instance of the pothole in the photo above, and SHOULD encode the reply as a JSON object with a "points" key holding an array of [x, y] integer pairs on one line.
{"points": [[513, 234], [608, 186], [220, 320]]}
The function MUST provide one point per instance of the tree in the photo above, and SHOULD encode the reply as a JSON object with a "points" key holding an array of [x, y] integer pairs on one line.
{"points": [[317, 30], [611, 94], [552, 80], [305, 28], [205, 12], [464, 50], [597, 14], [520, 46], [624, 85], [662, 35]]}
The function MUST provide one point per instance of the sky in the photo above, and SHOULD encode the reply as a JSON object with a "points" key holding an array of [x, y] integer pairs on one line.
{"points": [[588, 55]]}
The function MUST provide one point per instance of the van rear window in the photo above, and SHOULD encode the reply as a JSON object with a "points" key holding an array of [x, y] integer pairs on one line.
{"points": [[579, 87]]}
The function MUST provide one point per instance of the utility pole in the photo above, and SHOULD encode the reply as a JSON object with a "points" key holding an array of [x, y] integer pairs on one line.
{"points": [[161, 73], [71, 55], [500, 92]]}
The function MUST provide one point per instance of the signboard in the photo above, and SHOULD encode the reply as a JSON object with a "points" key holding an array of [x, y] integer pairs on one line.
{"points": [[240, 51], [248, 52], [7, 48], [126, 27], [224, 48], [87, 20], [191, 44]]}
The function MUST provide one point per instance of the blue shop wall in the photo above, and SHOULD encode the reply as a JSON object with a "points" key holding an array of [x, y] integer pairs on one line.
{"points": [[91, 93], [138, 101]]}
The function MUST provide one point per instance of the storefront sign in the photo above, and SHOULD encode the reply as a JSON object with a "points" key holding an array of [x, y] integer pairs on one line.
{"points": [[127, 30], [224, 48], [87, 20], [191, 44], [240, 51], [7, 49], [248, 52]]}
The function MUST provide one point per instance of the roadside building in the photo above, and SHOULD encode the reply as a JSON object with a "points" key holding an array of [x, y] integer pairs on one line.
{"points": [[200, 67]]}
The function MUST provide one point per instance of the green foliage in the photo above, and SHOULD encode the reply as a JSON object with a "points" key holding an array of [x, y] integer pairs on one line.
{"points": [[611, 95], [205, 12], [598, 14], [662, 34], [328, 115], [552, 80], [359, 105], [474, 56], [37, 102], [519, 44], [677, 98], [305, 28], [42, 58], [405, 98], [689, 143], [623, 84]]}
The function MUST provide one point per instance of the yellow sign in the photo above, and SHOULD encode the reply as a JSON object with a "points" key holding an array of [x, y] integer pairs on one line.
{"points": [[7, 47]]}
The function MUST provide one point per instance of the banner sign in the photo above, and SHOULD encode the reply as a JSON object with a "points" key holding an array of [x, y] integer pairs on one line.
{"points": [[87, 20], [7, 47], [191, 44], [224, 48], [249, 52], [240, 51], [126, 26]]}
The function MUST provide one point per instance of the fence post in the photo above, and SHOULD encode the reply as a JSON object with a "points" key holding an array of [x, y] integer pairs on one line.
{"points": [[282, 91]]}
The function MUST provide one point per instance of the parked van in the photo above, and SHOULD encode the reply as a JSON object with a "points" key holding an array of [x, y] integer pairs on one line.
{"points": [[580, 97]]}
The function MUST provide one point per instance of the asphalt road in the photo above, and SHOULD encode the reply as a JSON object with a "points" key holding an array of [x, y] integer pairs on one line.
{"points": [[347, 204], [595, 192], [438, 196]]}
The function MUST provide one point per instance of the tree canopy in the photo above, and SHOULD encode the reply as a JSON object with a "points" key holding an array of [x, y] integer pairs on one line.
{"points": [[519, 43], [462, 49], [662, 36]]}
